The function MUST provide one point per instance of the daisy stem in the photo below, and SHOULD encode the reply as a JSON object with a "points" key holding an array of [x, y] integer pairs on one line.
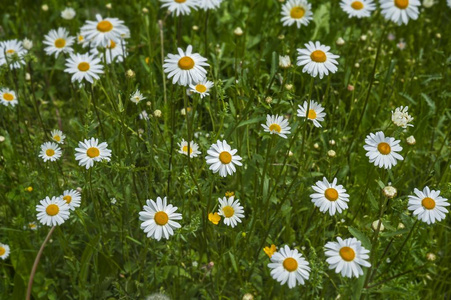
{"points": [[36, 262], [97, 112], [160, 25], [405, 241], [206, 33]]}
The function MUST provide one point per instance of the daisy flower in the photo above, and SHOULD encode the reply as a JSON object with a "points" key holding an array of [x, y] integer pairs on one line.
{"points": [[202, 88], [90, 151], [4, 251], [114, 52], [382, 151], [401, 117], [8, 97], [84, 66], [449, 3], [347, 256], [58, 41], [193, 148], [277, 124], [102, 31], [231, 210], [222, 158], [52, 212], [329, 196], [185, 67], [428, 205], [317, 59], [72, 198], [68, 13], [50, 151], [359, 8], [315, 112], [180, 7], [58, 136], [400, 11], [32, 226], [137, 97], [289, 266], [209, 4], [296, 11], [12, 53], [158, 219]]}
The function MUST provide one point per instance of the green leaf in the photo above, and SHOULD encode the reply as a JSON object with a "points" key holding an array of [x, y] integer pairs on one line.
{"points": [[361, 237]]}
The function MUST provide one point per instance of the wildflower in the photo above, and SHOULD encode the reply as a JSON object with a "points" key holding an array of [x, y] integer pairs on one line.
{"points": [[284, 61], [180, 7], [4, 251], [91, 151], [12, 53], [270, 250], [340, 41], [201, 88], [229, 194], [331, 153], [238, 31], [214, 218], [45, 7], [84, 66], [315, 112], [58, 41], [329, 196], [52, 212], [382, 151], [143, 115], [317, 60], [193, 148], [72, 198], [389, 191], [297, 12], [278, 125], [130, 74], [57, 136], [401, 117], [428, 205], [157, 113], [27, 44], [231, 210], [29, 189], [375, 225], [289, 266], [209, 4], [359, 9], [32, 226], [400, 11], [8, 97], [222, 158], [68, 13], [104, 30], [411, 140], [137, 97], [115, 51], [50, 151], [431, 256], [401, 45]]}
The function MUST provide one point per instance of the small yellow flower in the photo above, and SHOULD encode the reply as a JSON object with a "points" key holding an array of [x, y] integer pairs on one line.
{"points": [[147, 60], [214, 218], [270, 250], [229, 194], [29, 189]]}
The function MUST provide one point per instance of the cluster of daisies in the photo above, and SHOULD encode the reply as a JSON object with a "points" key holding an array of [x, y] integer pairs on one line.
{"points": [[184, 7], [56, 210]]}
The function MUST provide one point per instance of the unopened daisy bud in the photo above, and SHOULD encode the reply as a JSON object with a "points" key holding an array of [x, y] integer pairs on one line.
{"points": [[431, 256], [316, 145], [375, 224], [148, 103], [195, 264], [268, 100], [288, 87], [183, 112], [130, 73], [2, 138], [284, 61], [113, 201], [400, 117], [195, 27], [108, 6], [145, 10], [389, 191], [290, 154], [438, 35], [332, 142], [281, 37], [68, 13], [238, 31], [157, 113], [27, 44], [411, 140], [248, 296], [350, 87], [340, 41], [363, 37], [428, 3], [388, 260], [356, 65], [27, 76], [45, 7], [331, 153]]}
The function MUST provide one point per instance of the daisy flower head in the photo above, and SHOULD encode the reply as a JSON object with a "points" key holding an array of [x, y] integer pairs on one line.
{"points": [[72, 198], [8, 97], [159, 219], [32, 226], [289, 266], [52, 212], [115, 51], [401, 117], [358, 8], [180, 7], [317, 60], [278, 125], [428, 205], [104, 30], [12, 53], [315, 112], [91, 151], [185, 67], [400, 11], [193, 148], [231, 210], [84, 66], [202, 88], [4, 251], [58, 136], [221, 158], [68, 13], [449, 3], [58, 41], [209, 4], [50, 151], [382, 151], [137, 97], [297, 12], [347, 256], [329, 196]]}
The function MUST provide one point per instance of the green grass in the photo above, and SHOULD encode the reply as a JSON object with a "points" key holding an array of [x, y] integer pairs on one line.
{"points": [[101, 252]]}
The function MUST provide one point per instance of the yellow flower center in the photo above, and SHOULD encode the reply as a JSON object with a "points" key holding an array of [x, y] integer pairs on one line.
{"points": [[347, 253], [83, 66], [80, 38], [275, 127], [185, 149], [93, 152], [384, 148], [10, 51], [357, 5], [161, 218], [31, 225], [112, 45], [60, 43], [228, 211], [67, 198], [428, 203], [331, 194], [318, 56], [2, 250], [8, 97], [57, 138], [402, 4], [186, 63], [104, 26], [297, 12], [180, 1], [312, 114], [225, 157], [52, 210], [290, 264], [201, 88], [50, 152]]}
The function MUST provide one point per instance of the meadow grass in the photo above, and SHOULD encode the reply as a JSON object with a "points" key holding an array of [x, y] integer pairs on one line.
{"points": [[101, 252]]}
